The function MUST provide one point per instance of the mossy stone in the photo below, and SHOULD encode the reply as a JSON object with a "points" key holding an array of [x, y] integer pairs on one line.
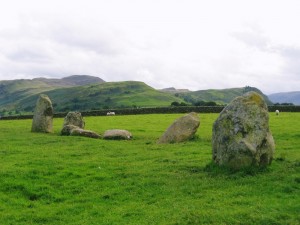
{"points": [[241, 136]]}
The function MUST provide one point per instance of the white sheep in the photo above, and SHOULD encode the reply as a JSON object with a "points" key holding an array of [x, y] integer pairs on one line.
{"points": [[277, 112], [110, 114]]}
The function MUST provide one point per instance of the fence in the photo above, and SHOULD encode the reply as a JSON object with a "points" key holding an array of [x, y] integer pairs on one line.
{"points": [[158, 110]]}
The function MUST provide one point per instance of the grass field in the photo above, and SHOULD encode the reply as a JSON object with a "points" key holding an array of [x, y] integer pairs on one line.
{"points": [[59, 180]]}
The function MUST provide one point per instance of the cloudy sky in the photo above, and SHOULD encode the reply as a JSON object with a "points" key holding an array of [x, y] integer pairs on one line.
{"points": [[194, 44]]}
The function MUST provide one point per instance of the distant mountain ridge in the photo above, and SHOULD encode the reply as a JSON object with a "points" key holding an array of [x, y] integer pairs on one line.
{"points": [[79, 93], [220, 96], [73, 80], [84, 92], [174, 90], [13, 91], [286, 97]]}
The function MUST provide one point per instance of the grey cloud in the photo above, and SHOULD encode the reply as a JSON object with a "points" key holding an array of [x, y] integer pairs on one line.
{"points": [[28, 55], [54, 50], [290, 52], [95, 39], [291, 56], [253, 39]]}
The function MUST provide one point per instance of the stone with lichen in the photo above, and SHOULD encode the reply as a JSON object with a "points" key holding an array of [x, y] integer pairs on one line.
{"points": [[241, 135], [75, 119]]}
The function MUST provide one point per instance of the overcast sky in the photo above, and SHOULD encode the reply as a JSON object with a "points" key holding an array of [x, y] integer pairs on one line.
{"points": [[194, 44]]}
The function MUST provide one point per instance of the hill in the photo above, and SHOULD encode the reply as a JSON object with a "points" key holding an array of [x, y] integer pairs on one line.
{"points": [[174, 90], [220, 96], [12, 92], [286, 97], [70, 81], [104, 95], [83, 93]]}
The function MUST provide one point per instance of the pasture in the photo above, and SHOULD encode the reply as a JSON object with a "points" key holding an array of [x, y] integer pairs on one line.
{"points": [[53, 179]]}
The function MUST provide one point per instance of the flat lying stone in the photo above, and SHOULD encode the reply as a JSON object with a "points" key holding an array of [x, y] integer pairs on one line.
{"points": [[84, 133], [77, 131], [117, 135], [68, 129]]}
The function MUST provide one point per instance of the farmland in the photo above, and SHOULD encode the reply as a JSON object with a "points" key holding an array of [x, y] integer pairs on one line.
{"points": [[53, 179]]}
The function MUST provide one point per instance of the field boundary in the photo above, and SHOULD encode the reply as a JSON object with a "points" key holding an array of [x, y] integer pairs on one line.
{"points": [[155, 110]]}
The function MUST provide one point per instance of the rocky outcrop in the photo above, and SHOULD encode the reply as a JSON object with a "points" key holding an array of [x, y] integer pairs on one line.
{"points": [[117, 135], [43, 115], [182, 129], [241, 135]]}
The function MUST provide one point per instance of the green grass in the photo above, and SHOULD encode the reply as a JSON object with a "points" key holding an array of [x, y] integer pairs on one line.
{"points": [[53, 179]]}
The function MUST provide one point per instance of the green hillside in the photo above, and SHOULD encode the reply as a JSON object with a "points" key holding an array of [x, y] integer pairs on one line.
{"points": [[13, 92], [106, 95], [83, 93], [220, 96]]}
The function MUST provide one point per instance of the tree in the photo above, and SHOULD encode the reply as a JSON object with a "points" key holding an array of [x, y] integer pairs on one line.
{"points": [[175, 103]]}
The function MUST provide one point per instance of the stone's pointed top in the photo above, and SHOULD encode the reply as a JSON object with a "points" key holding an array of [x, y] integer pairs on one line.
{"points": [[43, 96], [255, 97]]}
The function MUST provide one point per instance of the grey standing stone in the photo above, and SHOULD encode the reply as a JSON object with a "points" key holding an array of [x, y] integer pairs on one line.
{"points": [[182, 129], [43, 115], [75, 119], [241, 135]]}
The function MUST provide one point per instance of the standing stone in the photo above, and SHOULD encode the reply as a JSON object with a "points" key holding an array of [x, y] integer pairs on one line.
{"points": [[182, 129], [241, 135], [75, 119], [43, 115]]}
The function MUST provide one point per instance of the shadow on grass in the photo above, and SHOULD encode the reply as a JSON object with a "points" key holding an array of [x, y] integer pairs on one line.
{"points": [[215, 170]]}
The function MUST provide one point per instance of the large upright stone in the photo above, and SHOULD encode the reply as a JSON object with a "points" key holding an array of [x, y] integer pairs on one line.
{"points": [[182, 129], [43, 115], [75, 119], [241, 135]]}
